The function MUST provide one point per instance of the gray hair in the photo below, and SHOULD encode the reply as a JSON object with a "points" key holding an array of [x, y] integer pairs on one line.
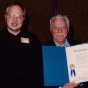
{"points": [[58, 17]]}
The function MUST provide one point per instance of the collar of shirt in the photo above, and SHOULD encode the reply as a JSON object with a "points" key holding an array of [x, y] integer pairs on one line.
{"points": [[66, 44], [14, 33]]}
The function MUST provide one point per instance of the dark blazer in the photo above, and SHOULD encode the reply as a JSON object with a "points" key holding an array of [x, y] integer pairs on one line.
{"points": [[21, 63], [71, 42]]}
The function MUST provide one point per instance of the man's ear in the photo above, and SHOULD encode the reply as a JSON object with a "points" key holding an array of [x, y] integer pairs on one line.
{"points": [[24, 18], [67, 30], [51, 31]]}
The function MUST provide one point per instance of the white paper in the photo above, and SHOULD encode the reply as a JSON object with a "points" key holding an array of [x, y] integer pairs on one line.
{"points": [[77, 61]]}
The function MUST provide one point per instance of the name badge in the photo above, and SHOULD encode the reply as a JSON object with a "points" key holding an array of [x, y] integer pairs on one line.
{"points": [[25, 40]]}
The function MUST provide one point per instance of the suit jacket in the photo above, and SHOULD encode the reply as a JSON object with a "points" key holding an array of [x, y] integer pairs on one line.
{"points": [[21, 62], [71, 42]]}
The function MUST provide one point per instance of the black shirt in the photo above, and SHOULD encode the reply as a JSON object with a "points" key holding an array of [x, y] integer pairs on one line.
{"points": [[21, 63]]}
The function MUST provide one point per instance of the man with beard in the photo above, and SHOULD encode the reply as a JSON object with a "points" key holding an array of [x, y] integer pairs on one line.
{"points": [[20, 52]]}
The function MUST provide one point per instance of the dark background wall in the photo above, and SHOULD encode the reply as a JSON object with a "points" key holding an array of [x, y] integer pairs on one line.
{"points": [[77, 10], [40, 12]]}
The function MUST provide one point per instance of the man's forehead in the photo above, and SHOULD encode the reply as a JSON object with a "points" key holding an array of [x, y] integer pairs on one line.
{"points": [[14, 9], [59, 21]]}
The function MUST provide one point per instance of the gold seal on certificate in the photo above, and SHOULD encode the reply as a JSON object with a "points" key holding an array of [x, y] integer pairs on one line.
{"points": [[72, 70]]}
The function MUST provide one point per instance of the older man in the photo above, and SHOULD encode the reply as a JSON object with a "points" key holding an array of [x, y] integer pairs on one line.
{"points": [[59, 28]]}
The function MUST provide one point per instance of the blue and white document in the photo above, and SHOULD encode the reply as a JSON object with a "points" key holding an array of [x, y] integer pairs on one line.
{"points": [[77, 62]]}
